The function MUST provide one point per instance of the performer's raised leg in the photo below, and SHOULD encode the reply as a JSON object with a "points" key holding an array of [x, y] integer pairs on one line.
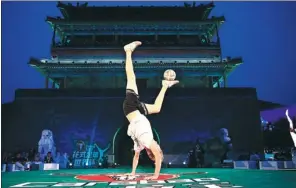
{"points": [[129, 68]]}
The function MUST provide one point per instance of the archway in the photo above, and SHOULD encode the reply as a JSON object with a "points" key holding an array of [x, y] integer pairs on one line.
{"points": [[123, 148]]}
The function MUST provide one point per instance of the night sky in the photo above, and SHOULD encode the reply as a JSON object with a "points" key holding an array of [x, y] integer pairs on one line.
{"points": [[263, 33]]}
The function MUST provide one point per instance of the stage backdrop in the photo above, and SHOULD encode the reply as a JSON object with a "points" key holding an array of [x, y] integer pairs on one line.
{"points": [[185, 116]]}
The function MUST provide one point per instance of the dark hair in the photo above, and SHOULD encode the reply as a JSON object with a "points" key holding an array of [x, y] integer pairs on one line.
{"points": [[150, 154]]}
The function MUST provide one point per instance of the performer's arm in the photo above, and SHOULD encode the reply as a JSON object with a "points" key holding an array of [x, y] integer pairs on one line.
{"points": [[135, 162], [156, 107], [289, 119], [158, 158]]}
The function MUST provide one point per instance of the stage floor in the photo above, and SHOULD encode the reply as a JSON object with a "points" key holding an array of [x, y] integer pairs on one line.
{"points": [[187, 178]]}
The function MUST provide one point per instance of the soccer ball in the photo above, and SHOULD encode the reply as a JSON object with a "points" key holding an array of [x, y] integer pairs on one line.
{"points": [[169, 75]]}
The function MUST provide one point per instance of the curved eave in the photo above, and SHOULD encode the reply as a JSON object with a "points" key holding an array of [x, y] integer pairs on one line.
{"points": [[208, 26], [106, 69], [61, 21], [60, 65], [63, 9], [212, 31], [235, 63], [64, 13], [209, 8], [70, 11]]}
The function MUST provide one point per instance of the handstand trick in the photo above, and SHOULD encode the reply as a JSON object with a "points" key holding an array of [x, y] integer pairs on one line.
{"points": [[139, 128]]}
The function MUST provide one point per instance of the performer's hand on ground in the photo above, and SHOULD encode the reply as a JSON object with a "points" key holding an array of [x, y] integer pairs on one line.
{"points": [[132, 46], [130, 174], [166, 83], [154, 177]]}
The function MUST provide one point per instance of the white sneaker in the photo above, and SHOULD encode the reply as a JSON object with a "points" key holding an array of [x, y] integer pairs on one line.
{"points": [[169, 83], [132, 46]]}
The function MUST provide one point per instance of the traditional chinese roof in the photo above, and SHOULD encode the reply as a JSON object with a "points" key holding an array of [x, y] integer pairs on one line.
{"points": [[144, 53], [130, 27], [85, 20], [84, 13], [57, 68], [91, 40]]}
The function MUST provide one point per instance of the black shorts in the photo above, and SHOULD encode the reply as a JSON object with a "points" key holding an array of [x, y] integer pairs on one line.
{"points": [[132, 103]]}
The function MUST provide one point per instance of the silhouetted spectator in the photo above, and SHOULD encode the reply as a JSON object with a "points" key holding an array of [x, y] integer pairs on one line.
{"points": [[48, 158], [19, 162]]}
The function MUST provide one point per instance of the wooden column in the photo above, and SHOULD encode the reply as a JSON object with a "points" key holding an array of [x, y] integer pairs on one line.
{"points": [[53, 85], [54, 35], [210, 81], [46, 82], [217, 34], [224, 80], [65, 82], [94, 39]]}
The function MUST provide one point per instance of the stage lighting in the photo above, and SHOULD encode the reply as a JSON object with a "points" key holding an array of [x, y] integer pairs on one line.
{"points": [[100, 165], [70, 165], [114, 165], [184, 163], [169, 164]]}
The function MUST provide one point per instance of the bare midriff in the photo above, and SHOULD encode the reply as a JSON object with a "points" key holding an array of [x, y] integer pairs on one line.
{"points": [[133, 115]]}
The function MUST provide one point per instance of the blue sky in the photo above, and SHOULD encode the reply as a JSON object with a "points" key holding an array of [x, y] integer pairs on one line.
{"points": [[263, 33]]}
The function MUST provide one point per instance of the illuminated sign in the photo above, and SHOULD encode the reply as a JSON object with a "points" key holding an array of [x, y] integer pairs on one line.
{"points": [[87, 155]]}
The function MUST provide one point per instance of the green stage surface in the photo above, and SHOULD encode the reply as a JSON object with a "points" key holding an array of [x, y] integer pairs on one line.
{"points": [[237, 178]]}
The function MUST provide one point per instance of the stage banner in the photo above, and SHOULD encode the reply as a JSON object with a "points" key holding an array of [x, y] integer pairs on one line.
{"points": [[87, 154]]}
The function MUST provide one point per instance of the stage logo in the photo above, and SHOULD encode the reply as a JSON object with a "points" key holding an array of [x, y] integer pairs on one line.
{"points": [[122, 177], [125, 182], [87, 154]]}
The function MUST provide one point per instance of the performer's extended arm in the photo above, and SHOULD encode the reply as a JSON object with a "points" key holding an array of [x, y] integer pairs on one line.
{"points": [[135, 162], [158, 158], [289, 120], [137, 150], [156, 107]]}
